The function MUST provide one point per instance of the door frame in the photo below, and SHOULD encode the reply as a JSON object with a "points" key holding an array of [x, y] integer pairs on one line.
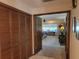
{"points": [[69, 19]]}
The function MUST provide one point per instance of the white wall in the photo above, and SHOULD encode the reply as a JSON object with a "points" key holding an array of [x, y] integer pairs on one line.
{"points": [[74, 43], [19, 4]]}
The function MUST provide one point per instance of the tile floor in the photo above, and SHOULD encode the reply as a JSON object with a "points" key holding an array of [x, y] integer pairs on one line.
{"points": [[51, 49]]}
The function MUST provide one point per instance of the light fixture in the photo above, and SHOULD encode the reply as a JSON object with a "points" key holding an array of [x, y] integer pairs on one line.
{"points": [[44, 20], [50, 21]]}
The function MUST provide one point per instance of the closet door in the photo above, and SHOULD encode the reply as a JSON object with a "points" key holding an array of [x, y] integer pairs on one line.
{"points": [[23, 40], [14, 24], [5, 45], [28, 36]]}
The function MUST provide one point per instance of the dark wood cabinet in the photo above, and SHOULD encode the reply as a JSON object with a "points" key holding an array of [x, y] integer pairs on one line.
{"points": [[15, 33]]}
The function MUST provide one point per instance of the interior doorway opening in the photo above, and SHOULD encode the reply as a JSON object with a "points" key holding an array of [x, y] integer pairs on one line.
{"points": [[51, 37]]}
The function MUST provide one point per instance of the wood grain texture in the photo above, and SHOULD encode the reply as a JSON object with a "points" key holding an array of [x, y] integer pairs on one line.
{"points": [[15, 33], [23, 40], [28, 27], [5, 45]]}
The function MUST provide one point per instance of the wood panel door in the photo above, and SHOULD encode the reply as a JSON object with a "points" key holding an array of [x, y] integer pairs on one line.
{"points": [[15, 33], [38, 34], [28, 36], [14, 25], [23, 40], [5, 45]]}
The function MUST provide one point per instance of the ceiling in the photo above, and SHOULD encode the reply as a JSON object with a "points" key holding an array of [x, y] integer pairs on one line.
{"points": [[54, 16], [40, 3]]}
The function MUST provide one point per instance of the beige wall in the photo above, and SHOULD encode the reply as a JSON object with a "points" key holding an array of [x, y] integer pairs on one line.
{"points": [[19, 4], [74, 44]]}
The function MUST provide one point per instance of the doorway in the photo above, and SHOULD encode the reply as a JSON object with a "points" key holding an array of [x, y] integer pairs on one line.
{"points": [[52, 32]]}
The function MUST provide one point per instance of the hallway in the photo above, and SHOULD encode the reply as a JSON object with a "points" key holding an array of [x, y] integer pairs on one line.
{"points": [[51, 49]]}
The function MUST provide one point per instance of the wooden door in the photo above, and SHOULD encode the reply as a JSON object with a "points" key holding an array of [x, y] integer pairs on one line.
{"points": [[23, 40], [14, 25], [5, 45], [38, 34], [15, 33], [28, 36]]}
